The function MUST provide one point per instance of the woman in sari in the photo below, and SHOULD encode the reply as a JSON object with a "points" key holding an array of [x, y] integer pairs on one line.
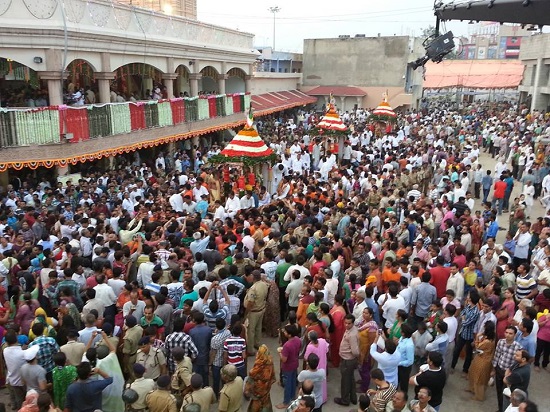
{"points": [[480, 370], [506, 312], [258, 384], [338, 313], [368, 329]]}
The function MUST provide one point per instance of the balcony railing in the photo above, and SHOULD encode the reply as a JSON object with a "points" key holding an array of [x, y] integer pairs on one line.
{"points": [[58, 124]]}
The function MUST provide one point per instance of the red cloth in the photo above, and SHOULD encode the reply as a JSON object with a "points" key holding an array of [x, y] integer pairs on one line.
{"points": [[137, 116], [76, 122], [440, 275], [178, 111], [236, 103], [212, 110], [500, 189]]}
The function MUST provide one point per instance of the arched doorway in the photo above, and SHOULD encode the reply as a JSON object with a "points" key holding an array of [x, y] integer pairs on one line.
{"points": [[209, 80], [182, 82], [80, 74], [235, 82], [20, 85], [137, 80]]}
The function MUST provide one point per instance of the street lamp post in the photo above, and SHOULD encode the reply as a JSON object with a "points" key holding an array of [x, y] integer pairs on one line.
{"points": [[274, 10]]}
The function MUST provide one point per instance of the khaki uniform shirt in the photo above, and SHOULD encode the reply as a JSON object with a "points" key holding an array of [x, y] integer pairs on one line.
{"points": [[161, 401], [142, 386], [256, 297], [182, 376], [204, 397], [131, 340], [74, 352], [231, 396], [151, 361]]}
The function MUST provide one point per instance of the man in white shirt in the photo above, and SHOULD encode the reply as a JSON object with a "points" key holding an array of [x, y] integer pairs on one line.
{"points": [[391, 303], [107, 296], [232, 205], [247, 201], [199, 190], [176, 201], [14, 359]]}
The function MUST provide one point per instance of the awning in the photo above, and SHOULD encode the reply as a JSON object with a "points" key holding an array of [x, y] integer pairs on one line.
{"points": [[337, 91], [268, 103], [503, 11], [474, 74]]}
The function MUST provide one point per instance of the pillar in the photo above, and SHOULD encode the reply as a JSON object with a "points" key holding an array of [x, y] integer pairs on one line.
{"points": [[62, 170], [104, 85], [536, 93], [55, 87], [359, 101], [221, 83], [168, 82], [194, 83], [342, 103], [248, 84]]}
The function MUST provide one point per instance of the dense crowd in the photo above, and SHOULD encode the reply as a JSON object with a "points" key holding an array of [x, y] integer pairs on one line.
{"points": [[142, 285]]}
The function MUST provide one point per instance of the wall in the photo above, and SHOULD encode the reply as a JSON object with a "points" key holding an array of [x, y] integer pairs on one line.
{"points": [[369, 61], [264, 82]]}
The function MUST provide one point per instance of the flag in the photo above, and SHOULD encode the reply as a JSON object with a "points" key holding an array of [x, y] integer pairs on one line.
{"points": [[250, 117]]}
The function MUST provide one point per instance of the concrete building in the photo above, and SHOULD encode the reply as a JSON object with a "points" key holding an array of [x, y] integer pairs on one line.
{"points": [[363, 68], [489, 40], [117, 42], [50, 48], [182, 8], [535, 88], [278, 62]]}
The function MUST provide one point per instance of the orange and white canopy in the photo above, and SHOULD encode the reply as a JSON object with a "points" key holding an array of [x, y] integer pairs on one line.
{"points": [[246, 143]]}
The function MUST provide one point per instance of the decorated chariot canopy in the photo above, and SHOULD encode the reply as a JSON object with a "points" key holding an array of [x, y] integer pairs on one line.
{"points": [[330, 124], [384, 112], [247, 147]]}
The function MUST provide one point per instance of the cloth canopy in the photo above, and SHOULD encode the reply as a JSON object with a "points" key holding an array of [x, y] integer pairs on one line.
{"points": [[384, 109], [331, 121], [246, 143], [474, 74]]}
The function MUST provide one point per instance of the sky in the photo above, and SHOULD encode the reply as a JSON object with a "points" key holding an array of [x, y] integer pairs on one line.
{"points": [[308, 19]]}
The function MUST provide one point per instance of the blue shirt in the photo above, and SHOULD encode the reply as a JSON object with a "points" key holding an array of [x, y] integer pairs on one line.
{"points": [[528, 342], [201, 336], [405, 347], [487, 182], [492, 230], [422, 299], [372, 304], [85, 396]]}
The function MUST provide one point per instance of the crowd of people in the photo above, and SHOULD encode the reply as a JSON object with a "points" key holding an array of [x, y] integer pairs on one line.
{"points": [[156, 286]]}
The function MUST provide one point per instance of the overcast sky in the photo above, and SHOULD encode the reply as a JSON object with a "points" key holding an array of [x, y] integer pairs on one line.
{"points": [[308, 19]]}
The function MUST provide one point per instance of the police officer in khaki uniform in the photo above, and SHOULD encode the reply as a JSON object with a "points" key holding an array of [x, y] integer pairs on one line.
{"points": [[231, 395], [152, 359], [130, 342], [161, 400], [254, 303]]}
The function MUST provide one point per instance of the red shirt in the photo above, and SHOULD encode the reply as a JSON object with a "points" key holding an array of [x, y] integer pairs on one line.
{"points": [[440, 275], [500, 188]]}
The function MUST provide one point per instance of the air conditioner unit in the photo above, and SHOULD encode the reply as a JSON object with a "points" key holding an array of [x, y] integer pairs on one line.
{"points": [[360, 35], [344, 36]]}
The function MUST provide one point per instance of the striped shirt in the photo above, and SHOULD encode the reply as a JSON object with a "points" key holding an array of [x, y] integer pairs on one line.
{"points": [[470, 315], [235, 346], [382, 398], [524, 286]]}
